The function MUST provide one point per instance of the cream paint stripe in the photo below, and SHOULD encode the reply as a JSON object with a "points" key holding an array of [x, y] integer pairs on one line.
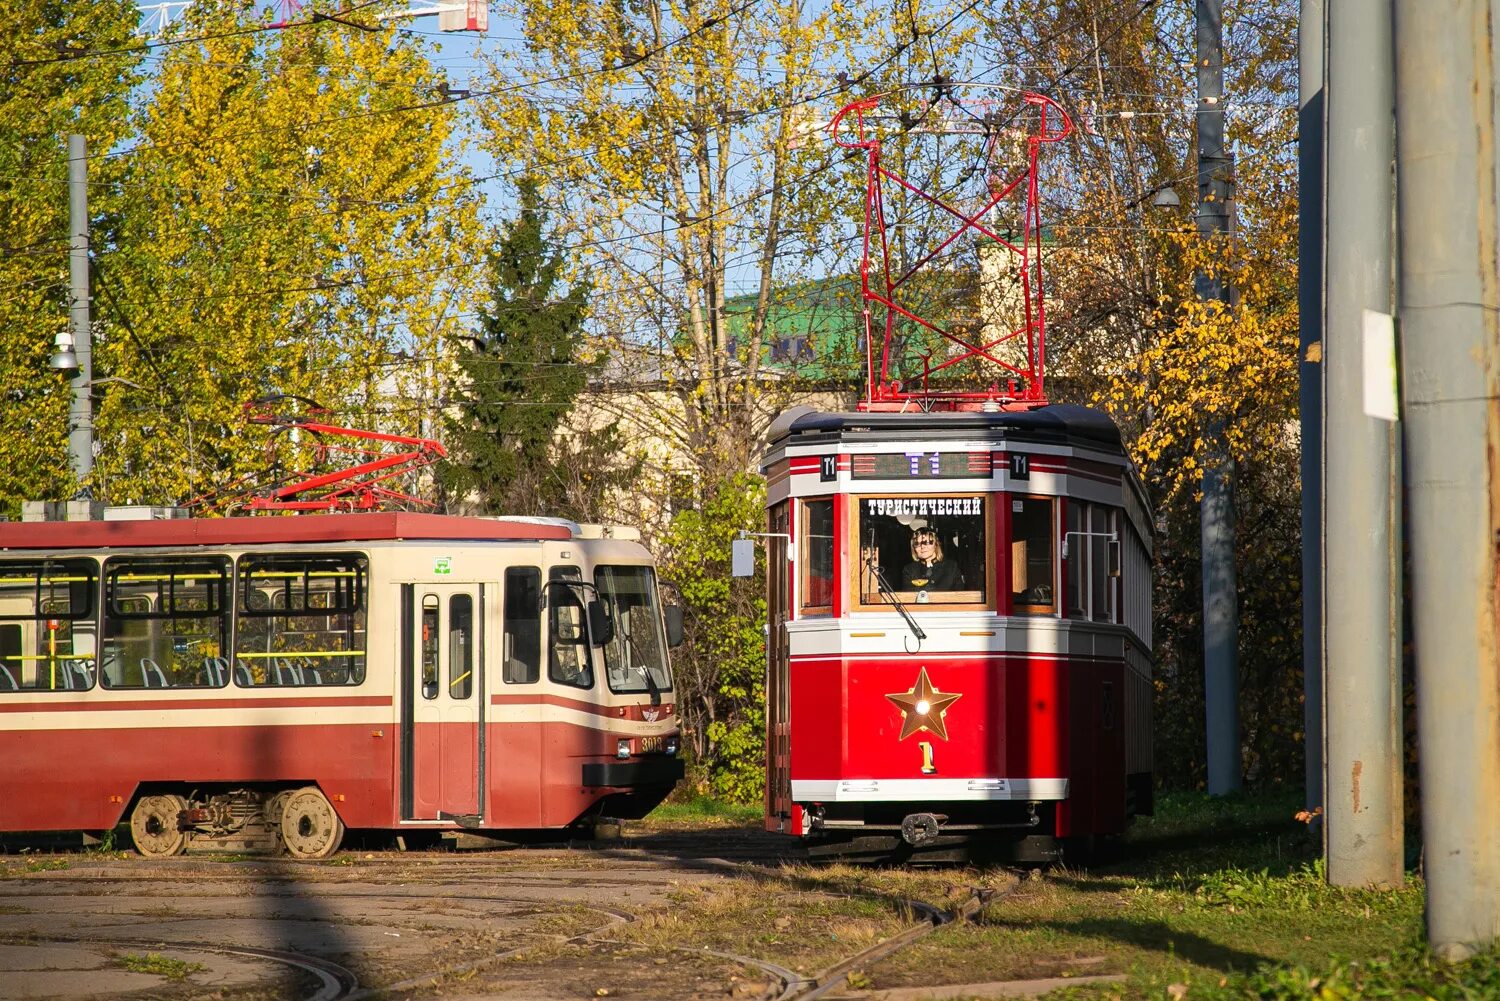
{"points": [[544, 713], [174, 719], [301, 716]]}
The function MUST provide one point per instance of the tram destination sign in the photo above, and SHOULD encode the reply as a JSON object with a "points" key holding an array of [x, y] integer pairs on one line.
{"points": [[920, 465]]}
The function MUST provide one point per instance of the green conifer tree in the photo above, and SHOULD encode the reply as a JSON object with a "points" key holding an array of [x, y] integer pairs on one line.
{"points": [[522, 372]]}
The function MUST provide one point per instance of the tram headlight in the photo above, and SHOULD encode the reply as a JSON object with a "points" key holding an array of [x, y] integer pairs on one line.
{"points": [[670, 745], [622, 748]]}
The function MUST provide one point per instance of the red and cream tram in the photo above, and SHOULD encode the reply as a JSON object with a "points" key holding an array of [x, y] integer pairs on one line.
{"points": [[265, 683], [960, 631]]}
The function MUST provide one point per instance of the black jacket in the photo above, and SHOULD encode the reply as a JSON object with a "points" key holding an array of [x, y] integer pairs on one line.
{"points": [[940, 576]]}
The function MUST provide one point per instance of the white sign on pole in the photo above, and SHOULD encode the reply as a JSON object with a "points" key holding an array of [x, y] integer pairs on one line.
{"points": [[1382, 400]]}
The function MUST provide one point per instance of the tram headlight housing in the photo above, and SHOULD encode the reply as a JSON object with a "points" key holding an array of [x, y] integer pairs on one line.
{"points": [[622, 748], [669, 746]]}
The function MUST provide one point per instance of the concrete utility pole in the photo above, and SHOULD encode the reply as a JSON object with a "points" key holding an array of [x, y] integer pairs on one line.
{"points": [[80, 414], [1448, 171], [1311, 47], [1362, 503], [1221, 667]]}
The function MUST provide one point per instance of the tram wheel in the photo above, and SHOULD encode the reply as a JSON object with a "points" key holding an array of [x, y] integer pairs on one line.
{"points": [[310, 828], [153, 826], [272, 809]]}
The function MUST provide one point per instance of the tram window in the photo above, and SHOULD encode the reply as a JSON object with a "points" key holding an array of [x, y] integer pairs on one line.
{"points": [[431, 613], [166, 621], [635, 658], [302, 620], [929, 550], [1102, 531], [460, 646], [1032, 571], [523, 626], [47, 641], [1076, 564], [1091, 529], [569, 660], [817, 555]]}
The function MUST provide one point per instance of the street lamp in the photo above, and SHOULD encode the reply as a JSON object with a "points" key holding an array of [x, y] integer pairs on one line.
{"points": [[64, 356], [1166, 198]]}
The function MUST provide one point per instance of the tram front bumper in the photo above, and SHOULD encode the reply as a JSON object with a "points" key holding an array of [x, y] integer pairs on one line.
{"points": [[625, 774]]}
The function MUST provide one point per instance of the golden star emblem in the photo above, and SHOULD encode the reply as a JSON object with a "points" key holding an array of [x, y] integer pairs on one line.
{"points": [[923, 708]]}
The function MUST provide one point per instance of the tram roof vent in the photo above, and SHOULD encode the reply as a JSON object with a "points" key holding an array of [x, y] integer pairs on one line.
{"points": [[143, 512]]}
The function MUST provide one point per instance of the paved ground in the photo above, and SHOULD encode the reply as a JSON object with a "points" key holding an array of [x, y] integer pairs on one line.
{"points": [[93, 925]]}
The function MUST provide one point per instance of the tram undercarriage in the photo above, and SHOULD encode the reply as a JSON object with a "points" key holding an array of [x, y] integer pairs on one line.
{"points": [[951, 832], [298, 821]]}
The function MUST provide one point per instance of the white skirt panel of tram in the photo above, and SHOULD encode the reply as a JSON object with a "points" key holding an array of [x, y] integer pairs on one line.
{"points": [[920, 790]]}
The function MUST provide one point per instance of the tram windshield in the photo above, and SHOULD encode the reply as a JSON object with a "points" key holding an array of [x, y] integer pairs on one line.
{"points": [[930, 550], [635, 658]]}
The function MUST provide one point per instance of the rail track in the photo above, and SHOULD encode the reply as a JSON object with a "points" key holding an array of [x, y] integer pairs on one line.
{"points": [[400, 924]]}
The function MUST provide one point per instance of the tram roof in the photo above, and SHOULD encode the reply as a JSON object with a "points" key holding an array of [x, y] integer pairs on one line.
{"points": [[309, 528], [1058, 423]]}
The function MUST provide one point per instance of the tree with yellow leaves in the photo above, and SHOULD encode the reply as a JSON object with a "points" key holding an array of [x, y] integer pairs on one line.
{"points": [[50, 87], [294, 223]]}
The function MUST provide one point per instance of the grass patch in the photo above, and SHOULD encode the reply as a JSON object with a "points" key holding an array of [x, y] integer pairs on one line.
{"points": [[155, 962], [704, 808], [1222, 900]]}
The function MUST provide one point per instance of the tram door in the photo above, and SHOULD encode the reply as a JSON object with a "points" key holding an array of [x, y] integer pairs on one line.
{"points": [[442, 709], [778, 730]]}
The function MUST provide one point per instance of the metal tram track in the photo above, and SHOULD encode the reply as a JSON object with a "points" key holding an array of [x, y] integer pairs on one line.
{"points": [[337, 983], [833, 977]]}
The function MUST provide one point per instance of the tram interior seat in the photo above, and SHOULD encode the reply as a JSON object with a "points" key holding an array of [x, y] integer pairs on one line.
{"points": [[8, 680], [286, 671], [215, 671], [242, 675], [152, 676], [77, 674]]}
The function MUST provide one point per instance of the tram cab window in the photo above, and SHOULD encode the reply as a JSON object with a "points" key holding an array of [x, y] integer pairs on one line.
{"points": [[166, 622], [1093, 547], [522, 637], [1032, 567], [570, 660], [816, 558], [302, 620], [635, 658], [48, 624], [927, 550]]}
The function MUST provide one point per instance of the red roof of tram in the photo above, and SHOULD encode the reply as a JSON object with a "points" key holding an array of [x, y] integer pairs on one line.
{"points": [[261, 530]]}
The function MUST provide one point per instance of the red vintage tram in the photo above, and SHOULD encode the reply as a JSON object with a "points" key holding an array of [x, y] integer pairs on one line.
{"points": [[264, 683], [1011, 699], [960, 588]]}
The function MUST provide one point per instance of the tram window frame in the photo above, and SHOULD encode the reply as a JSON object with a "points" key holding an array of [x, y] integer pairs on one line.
{"points": [[33, 607], [1091, 592], [461, 634], [295, 606], [894, 552], [559, 598], [129, 612], [1022, 560], [521, 653], [810, 558]]}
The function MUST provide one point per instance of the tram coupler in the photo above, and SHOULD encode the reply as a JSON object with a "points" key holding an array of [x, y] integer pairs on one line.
{"points": [[918, 829]]}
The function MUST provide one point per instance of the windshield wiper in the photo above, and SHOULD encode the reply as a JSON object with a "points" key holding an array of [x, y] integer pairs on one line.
{"points": [[890, 595], [645, 671]]}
